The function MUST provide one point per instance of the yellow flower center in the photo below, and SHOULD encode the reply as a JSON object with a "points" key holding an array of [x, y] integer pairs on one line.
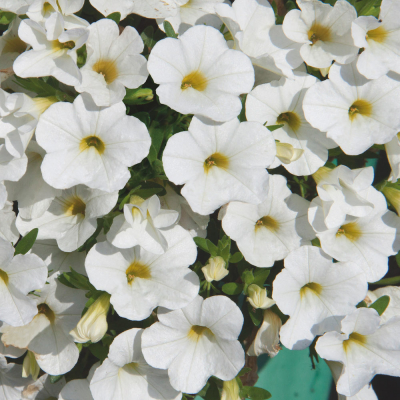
{"points": [[74, 206], [378, 35], [290, 118], [361, 107], [47, 8], [216, 160], [137, 270], [350, 230], [47, 311], [268, 222], [108, 69], [4, 276], [57, 45], [314, 287], [43, 103], [319, 32], [195, 80], [354, 338], [131, 367], [14, 45], [197, 331], [90, 142]]}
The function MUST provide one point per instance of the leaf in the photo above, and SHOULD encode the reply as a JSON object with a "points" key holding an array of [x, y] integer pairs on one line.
{"points": [[144, 117], [152, 154], [260, 276], [169, 30], [274, 127], [26, 243], [128, 196], [78, 281], [232, 288], [157, 137], [398, 258], [201, 243], [55, 378], [148, 37], [213, 249], [212, 392], [388, 281], [254, 393], [248, 277], [6, 17], [242, 115], [235, 258], [99, 351], [38, 86], [381, 304], [116, 17], [244, 371], [255, 315]]}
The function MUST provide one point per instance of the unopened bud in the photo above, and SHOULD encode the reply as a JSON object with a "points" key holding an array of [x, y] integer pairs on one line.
{"points": [[258, 297], [287, 153], [230, 390], [30, 366], [138, 96], [393, 196], [215, 269], [321, 174], [93, 325]]}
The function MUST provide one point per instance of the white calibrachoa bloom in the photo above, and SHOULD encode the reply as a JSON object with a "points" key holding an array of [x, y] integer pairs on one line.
{"points": [[195, 223], [113, 62], [139, 281], [380, 39], [199, 74], [365, 348], [354, 111], [393, 154], [15, 6], [367, 241], [342, 192], [269, 231], [33, 194], [47, 335], [78, 388], [281, 103], [196, 342], [192, 12], [220, 163], [324, 31], [8, 229], [53, 50], [72, 216], [19, 275], [125, 373], [43, 389], [11, 381], [145, 8], [316, 293], [393, 308], [90, 145], [143, 223], [11, 168]]}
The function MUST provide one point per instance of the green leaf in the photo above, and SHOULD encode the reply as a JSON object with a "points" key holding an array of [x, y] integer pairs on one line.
{"points": [[146, 193], [26, 243], [157, 137], [248, 277], [364, 7], [274, 127], [99, 350], [244, 371], [38, 86], [398, 258], [6, 17], [79, 281], [212, 392], [242, 115], [144, 117], [256, 315], [127, 198], [260, 276], [152, 154], [381, 304], [232, 288], [116, 17], [235, 258], [169, 30], [148, 37], [213, 249], [201, 243], [55, 378], [254, 393], [388, 281], [138, 96]]}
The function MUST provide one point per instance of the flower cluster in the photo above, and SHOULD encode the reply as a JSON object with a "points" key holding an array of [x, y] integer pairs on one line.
{"points": [[184, 187]]}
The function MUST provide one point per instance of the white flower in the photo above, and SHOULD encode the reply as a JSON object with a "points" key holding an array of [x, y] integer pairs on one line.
{"points": [[33, 194], [324, 31], [11, 381], [269, 231], [195, 223], [365, 348], [126, 375], [286, 154], [143, 223], [380, 40], [16, 6], [220, 163], [113, 63], [57, 260], [8, 229], [19, 275], [145, 8], [72, 216], [196, 342], [47, 335], [316, 293], [281, 103], [10, 351], [78, 387], [11, 168], [139, 281], [342, 192], [355, 112], [43, 389], [93, 325], [393, 154], [206, 82], [258, 297], [367, 241], [267, 337], [215, 269], [192, 12], [94, 146], [393, 308], [251, 27], [53, 50]]}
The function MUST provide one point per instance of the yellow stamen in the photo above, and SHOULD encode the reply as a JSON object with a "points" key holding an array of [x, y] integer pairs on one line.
{"points": [[137, 270], [319, 32], [195, 80], [290, 118], [47, 311], [354, 338], [361, 107], [4, 276], [108, 69], [378, 35], [43, 103], [268, 222], [57, 45], [216, 160], [74, 206], [92, 141], [14, 45], [350, 230], [196, 331], [314, 287]]}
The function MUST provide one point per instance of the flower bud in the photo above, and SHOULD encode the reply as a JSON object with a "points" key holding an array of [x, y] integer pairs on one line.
{"points": [[267, 338], [321, 174], [30, 366], [215, 269], [93, 325], [230, 390], [393, 196], [287, 153], [258, 297]]}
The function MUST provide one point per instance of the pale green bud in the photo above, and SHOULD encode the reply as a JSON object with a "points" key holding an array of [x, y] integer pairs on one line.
{"points": [[258, 297], [215, 269], [230, 390], [30, 366], [393, 196], [287, 153]]}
